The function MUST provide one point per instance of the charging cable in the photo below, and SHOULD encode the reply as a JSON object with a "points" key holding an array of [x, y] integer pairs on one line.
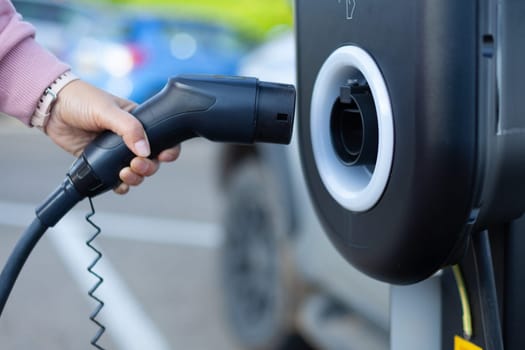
{"points": [[490, 319], [465, 303]]}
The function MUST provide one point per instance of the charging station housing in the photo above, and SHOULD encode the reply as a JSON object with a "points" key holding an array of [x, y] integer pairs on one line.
{"points": [[452, 76]]}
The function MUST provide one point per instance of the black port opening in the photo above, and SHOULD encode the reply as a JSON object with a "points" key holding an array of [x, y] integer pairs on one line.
{"points": [[347, 131], [353, 126]]}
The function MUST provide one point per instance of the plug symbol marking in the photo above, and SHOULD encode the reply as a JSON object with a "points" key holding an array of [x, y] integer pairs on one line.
{"points": [[350, 8]]}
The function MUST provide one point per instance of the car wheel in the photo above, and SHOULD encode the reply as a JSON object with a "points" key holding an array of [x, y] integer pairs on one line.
{"points": [[259, 288]]}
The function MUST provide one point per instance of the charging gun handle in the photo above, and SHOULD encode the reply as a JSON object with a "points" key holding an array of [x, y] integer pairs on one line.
{"points": [[225, 109]]}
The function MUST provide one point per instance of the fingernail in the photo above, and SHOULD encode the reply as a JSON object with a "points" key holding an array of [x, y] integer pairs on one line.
{"points": [[142, 148]]}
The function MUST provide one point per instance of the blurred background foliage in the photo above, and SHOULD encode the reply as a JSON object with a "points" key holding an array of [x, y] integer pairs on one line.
{"points": [[130, 47], [255, 19]]}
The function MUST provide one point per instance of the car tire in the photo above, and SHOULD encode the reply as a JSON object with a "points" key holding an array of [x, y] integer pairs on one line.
{"points": [[259, 288]]}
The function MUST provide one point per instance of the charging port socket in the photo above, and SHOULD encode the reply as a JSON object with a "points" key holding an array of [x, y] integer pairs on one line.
{"points": [[353, 126]]}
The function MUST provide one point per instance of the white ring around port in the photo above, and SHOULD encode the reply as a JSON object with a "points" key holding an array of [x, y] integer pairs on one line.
{"points": [[353, 187]]}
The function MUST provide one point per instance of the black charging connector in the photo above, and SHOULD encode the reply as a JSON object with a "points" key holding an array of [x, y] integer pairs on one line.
{"points": [[219, 108]]}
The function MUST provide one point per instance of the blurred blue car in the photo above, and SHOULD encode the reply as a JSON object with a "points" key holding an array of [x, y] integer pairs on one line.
{"points": [[131, 55], [159, 48]]}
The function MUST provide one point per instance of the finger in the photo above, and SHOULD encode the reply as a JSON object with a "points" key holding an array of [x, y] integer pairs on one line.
{"points": [[129, 177], [170, 154], [144, 166], [121, 189]]}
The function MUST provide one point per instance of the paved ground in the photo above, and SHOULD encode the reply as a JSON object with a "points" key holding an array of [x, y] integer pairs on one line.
{"points": [[159, 244]]}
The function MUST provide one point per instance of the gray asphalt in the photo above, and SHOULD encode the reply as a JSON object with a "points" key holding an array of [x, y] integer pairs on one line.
{"points": [[174, 283]]}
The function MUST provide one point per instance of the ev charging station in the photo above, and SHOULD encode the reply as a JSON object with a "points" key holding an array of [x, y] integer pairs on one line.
{"points": [[412, 136]]}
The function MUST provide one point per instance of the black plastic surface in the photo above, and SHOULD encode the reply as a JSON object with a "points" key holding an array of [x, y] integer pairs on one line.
{"points": [[58, 203], [502, 112], [458, 124]]}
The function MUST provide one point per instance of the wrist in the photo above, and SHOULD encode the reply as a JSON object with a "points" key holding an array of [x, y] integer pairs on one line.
{"points": [[48, 99]]}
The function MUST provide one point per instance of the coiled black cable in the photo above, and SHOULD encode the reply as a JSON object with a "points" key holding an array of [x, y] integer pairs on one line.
{"points": [[91, 293]]}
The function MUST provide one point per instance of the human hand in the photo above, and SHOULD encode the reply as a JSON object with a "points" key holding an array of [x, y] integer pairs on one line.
{"points": [[82, 111]]}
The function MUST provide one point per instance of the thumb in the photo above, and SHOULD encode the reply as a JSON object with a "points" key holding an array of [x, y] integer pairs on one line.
{"points": [[131, 130]]}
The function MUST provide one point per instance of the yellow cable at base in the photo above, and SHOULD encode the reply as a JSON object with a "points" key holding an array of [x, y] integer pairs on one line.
{"points": [[465, 305]]}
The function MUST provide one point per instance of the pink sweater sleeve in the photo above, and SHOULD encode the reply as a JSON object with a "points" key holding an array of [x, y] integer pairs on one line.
{"points": [[26, 69]]}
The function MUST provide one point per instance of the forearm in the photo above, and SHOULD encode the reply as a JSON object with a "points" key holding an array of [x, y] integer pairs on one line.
{"points": [[26, 69]]}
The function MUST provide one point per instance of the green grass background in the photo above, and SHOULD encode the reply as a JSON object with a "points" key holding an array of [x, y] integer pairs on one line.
{"points": [[255, 18]]}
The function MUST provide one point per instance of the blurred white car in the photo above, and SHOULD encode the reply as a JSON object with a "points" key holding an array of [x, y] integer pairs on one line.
{"points": [[281, 276], [60, 24]]}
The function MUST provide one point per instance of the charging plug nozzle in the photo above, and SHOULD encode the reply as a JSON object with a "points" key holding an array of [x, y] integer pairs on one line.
{"points": [[275, 113]]}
